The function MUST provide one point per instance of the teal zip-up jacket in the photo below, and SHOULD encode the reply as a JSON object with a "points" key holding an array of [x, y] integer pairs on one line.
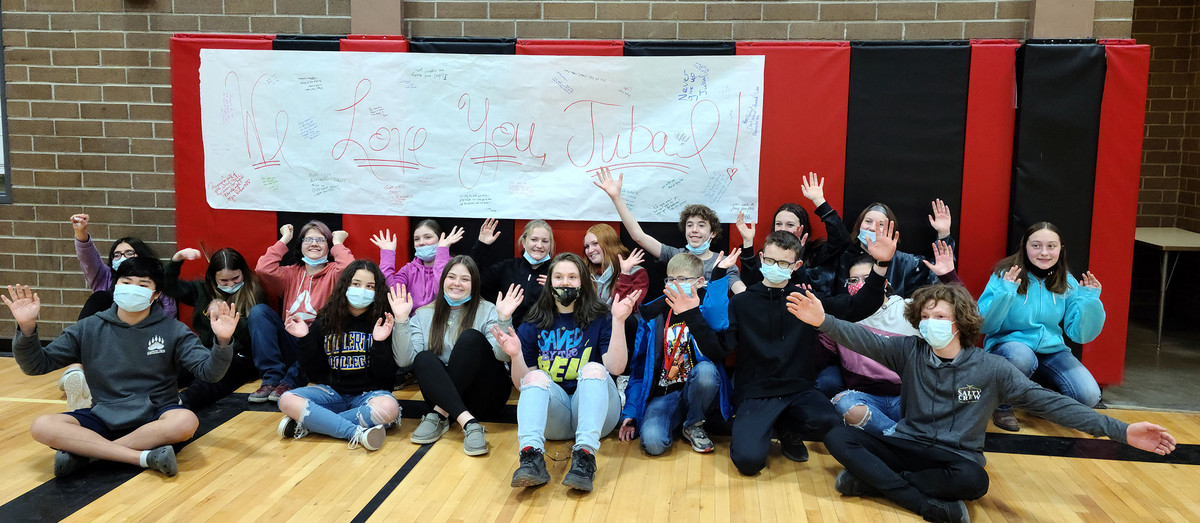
{"points": [[713, 317], [1033, 319]]}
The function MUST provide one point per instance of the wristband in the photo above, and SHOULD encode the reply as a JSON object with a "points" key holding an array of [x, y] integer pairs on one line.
{"points": [[883, 263]]}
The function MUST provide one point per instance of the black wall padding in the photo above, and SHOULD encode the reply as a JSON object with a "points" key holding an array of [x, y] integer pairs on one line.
{"points": [[668, 48], [307, 42], [501, 249], [1060, 87], [463, 45], [905, 133]]}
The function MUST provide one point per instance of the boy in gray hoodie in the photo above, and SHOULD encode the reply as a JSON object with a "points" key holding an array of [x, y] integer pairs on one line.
{"points": [[934, 457], [131, 355]]}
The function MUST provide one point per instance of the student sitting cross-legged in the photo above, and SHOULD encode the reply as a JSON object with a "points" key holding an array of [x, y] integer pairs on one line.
{"points": [[347, 354], [673, 384], [131, 355], [934, 458], [563, 359]]}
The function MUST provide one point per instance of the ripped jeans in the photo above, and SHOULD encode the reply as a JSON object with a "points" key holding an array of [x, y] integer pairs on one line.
{"points": [[339, 415], [882, 411], [545, 410]]}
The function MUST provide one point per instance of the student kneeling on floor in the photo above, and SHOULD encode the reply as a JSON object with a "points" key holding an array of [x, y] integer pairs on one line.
{"points": [[131, 355]]}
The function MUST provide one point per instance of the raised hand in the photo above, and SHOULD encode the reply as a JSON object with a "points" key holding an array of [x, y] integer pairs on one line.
{"points": [[627, 430], [187, 254], [806, 308], [224, 322], [508, 341], [636, 256], [339, 237], [1012, 274], [542, 280], [1150, 438], [813, 188], [488, 232], [451, 239], [25, 305], [623, 306], [400, 301], [886, 238], [508, 302], [295, 326], [943, 258], [746, 230], [79, 222], [728, 261], [1089, 280], [383, 327], [285, 233], [940, 219], [803, 237], [679, 301], [385, 240], [611, 186]]}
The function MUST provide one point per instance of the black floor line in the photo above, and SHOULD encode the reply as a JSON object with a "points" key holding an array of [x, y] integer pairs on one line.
{"points": [[1061, 447], [391, 485]]}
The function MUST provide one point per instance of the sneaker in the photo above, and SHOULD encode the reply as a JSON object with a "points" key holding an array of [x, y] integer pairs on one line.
{"points": [[430, 429], [74, 385], [848, 484], [1006, 420], [532, 471], [279, 390], [474, 441], [162, 459], [66, 463], [371, 438], [262, 394], [698, 438], [945, 511], [793, 447], [290, 428], [622, 384], [583, 470]]}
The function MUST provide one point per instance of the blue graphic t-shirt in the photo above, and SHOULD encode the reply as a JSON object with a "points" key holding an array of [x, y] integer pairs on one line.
{"points": [[564, 348]]}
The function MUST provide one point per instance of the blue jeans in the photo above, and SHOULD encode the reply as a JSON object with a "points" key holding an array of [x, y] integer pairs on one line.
{"points": [[274, 350], [882, 411], [339, 415], [545, 410], [829, 380], [665, 414], [1059, 371]]}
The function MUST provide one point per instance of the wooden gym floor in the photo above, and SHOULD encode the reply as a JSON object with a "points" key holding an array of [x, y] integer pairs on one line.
{"points": [[237, 469]]}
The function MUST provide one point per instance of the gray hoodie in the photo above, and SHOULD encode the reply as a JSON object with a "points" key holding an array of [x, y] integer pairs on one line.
{"points": [[131, 369], [950, 403]]}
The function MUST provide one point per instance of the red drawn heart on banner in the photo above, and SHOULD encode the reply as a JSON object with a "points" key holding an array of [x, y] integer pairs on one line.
{"points": [[731, 171]]}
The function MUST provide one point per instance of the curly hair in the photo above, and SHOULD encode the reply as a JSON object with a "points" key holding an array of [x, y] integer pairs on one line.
{"points": [[702, 212], [966, 312]]}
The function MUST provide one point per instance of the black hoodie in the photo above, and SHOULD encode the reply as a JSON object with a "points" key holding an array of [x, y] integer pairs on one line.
{"points": [[351, 362]]}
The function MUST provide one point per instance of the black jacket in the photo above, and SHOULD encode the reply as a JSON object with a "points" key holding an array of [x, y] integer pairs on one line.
{"points": [[821, 258], [498, 276]]}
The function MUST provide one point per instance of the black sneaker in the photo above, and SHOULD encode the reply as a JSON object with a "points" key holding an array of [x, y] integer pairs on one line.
{"points": [[945, 511], [532, 471], [848, 484], [583, 470], [793, 447]]}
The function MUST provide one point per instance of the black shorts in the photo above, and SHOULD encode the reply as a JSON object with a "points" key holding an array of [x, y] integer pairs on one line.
{"points": [[92, 422]]}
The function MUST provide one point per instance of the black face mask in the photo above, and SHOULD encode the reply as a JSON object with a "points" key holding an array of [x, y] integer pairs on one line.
{"points": [[566, 295], [1040, 273]]}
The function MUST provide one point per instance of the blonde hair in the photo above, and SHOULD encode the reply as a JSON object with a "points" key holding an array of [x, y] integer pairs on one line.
{"points": [[687, 263], [536, 224]]}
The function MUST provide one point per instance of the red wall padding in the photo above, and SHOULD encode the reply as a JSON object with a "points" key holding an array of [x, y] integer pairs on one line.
{"points": [[987, 160], [807, 89], [1118, 166]]}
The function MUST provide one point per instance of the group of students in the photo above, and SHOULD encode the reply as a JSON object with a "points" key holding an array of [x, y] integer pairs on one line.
{"points": [[844, 340]]}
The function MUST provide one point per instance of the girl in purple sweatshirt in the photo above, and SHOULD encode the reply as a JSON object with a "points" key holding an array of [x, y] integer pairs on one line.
{"points": [[420, 276]]}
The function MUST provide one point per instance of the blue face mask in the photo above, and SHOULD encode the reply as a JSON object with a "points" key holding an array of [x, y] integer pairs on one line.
{"points": [[456, 303], [864, 235], [311, 261], [231, 288], [117, 262], [359, 297], [132, 298], [427, 252], [530, 259], [703, 248], [938, 333], [775, 274], [686, 287]]}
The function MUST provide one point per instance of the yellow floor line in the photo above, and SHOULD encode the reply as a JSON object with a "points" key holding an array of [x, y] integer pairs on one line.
{"points": [[31, 400]]}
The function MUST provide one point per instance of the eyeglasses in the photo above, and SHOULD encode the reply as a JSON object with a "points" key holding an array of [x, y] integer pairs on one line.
{"points": [[683, 279], [116, 255], [313, 240], [782, 264], [853, 280]]}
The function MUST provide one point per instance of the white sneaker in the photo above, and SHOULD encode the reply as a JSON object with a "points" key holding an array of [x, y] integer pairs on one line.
{"points": [[622, 383], [371, 438], [74, 384], [290, 428]]}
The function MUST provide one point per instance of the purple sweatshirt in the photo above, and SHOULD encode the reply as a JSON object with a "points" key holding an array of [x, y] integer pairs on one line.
{"points": [[420, 280], [99, 276]]}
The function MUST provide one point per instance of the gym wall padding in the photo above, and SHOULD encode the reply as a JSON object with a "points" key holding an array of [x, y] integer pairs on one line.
{"points": [[905, 133], [463, 45]]}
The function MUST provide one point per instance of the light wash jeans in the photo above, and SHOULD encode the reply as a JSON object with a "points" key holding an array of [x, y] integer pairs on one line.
{"points": [[1059, 371], [884, 410], [665, 414], [339, 415], [549, 412]]}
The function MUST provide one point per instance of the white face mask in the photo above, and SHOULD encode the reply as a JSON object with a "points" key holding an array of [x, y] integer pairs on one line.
{"points": [[938, 333]]}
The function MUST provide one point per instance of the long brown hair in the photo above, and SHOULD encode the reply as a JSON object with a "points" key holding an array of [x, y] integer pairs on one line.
{"points": [[1057, 281], [587, 306], [887, 211], [245, 298], [610, 245], [441, 309], [336, 312]]}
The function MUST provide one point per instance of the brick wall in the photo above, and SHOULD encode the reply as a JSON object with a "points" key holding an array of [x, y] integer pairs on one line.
{"points": [[89, 97]]}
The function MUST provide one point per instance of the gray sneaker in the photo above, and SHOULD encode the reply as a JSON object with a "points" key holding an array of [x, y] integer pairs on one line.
{"points": [[430, 429], [698, 438], [162, 459], [66, 463], [474, 441]]}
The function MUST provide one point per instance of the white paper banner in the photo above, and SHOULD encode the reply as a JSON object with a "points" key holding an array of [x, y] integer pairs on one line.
{"points": [[479, 135]]}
